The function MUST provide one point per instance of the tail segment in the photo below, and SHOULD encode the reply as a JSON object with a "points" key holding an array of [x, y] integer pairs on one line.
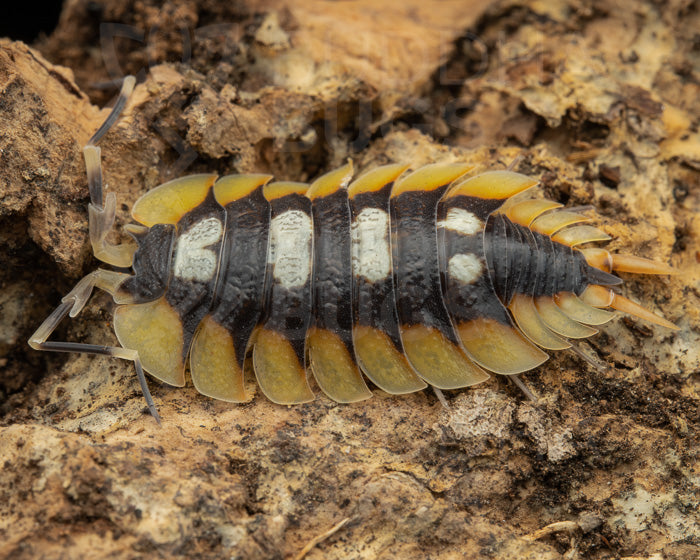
{"points": [[599, 296]]}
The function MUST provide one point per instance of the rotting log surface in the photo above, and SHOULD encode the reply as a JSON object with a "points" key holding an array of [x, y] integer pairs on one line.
{"points": [[600, 98]]}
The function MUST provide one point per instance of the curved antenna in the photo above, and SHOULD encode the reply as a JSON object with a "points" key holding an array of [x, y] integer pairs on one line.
{"points": [[102, 210], [124, 94], [91, 152]]}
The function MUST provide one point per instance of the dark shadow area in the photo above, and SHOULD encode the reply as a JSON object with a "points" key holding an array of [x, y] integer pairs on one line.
{"points": [[29, 20]]}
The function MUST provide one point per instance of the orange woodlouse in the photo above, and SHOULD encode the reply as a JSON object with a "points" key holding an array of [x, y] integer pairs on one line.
{"points": [[407, 279]]}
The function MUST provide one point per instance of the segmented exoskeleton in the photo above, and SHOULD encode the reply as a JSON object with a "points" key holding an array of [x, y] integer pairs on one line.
{"points": [[408, 279]]}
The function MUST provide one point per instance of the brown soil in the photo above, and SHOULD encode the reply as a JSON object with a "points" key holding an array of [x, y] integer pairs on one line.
{"points": [[600, 99]]}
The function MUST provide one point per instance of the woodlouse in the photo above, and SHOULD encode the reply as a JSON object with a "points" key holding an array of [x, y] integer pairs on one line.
{"points": [[410, 279]]}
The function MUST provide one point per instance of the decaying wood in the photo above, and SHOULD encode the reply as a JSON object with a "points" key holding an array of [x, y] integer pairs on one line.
{"points": [[600, 98]]}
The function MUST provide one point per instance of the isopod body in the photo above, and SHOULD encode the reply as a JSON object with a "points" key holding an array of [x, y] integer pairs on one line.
{"points": [[406, 278]]}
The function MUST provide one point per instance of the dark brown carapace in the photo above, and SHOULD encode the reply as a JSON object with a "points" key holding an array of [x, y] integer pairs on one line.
{"points": [[408, 279]]}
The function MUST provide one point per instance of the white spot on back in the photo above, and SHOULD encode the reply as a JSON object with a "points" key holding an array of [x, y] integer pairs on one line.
{"points": [[461, 220], [371, 253], [192, 260], [465, 267], [290, 248]]}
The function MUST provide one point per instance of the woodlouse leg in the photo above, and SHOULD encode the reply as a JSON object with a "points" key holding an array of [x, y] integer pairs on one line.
{"points": [[516, 161], [581, 209], [577, 348], [102, 209], [515, 379], [441, 397], [71, 305]]}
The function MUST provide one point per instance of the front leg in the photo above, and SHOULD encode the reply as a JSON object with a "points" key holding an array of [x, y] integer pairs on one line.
{"points": [[71, 305]]}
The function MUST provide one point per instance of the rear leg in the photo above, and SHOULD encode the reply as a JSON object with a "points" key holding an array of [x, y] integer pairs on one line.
{"points": [[71, 305], [515, 379]]}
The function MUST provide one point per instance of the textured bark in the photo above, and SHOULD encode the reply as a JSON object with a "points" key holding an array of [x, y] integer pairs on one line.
{"points": [[600, 99]]}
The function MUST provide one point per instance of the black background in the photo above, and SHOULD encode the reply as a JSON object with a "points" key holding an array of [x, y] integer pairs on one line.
{"points": [[27, 20]]}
